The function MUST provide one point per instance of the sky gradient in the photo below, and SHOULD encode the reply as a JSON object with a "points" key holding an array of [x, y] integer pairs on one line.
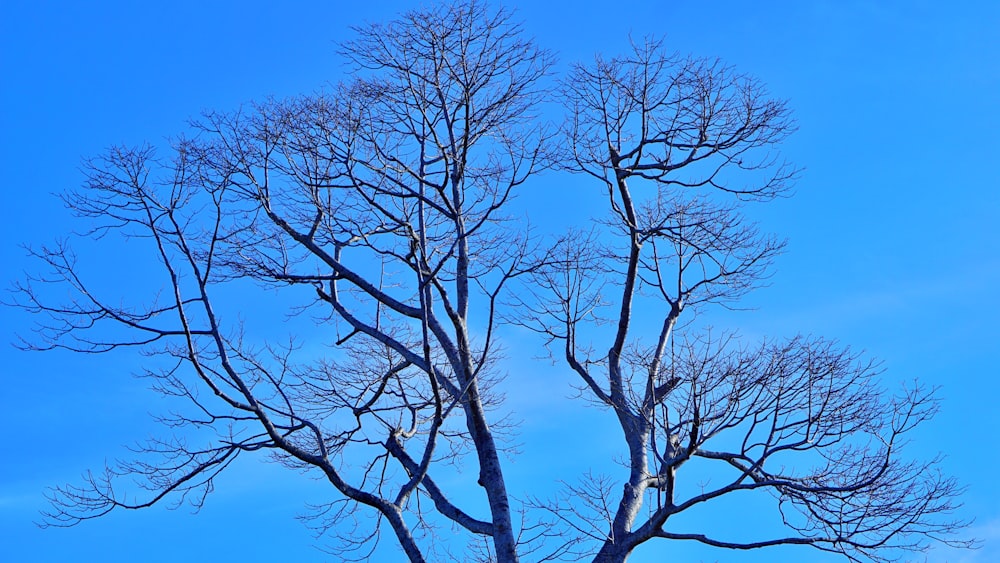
{"points": [[894, 229]]}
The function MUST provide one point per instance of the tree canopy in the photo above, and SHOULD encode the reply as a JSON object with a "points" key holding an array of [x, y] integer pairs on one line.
{"points": [[383, 208]]}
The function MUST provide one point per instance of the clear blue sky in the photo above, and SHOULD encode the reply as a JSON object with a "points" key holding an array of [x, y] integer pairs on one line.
{"points": [[894, 231]]}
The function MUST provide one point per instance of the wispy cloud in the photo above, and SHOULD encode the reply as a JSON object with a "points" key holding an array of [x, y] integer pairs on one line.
{"points": [[987, 533]]}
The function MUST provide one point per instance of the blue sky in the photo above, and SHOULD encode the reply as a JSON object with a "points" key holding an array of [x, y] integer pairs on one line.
{"points": [[894, 231]]}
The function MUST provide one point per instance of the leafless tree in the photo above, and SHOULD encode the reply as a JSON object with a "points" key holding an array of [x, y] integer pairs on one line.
{"points": [[379, 207], [671, 139], [381, 200]]}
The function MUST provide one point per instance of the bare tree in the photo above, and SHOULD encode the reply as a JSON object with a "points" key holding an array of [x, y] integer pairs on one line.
{"points": [[382, 200], [670, 139], [379, 207]]}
